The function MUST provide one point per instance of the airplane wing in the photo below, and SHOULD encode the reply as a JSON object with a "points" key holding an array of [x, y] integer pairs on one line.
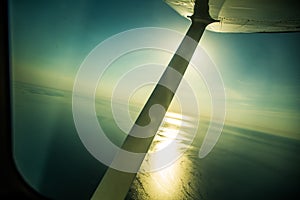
{"points": [[246, 16]]}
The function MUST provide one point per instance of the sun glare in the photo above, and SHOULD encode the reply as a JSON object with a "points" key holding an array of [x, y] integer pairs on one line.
{"points": [[166, 183]]}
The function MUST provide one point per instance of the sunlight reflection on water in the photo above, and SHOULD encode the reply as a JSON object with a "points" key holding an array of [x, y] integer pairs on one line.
{"points": [[171, 182]]}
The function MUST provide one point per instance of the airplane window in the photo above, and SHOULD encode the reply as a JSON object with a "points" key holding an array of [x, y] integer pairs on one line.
{"points": [[256, 155]]}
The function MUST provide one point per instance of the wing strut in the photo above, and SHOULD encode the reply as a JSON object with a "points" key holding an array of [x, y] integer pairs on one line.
{"points": [[115, 184]]}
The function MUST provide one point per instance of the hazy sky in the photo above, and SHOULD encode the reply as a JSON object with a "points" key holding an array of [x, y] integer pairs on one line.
{"points": [[57, 35], [50, 39], [261, 76]]}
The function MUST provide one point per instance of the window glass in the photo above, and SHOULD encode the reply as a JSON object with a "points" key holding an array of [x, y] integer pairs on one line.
{"points": [[257, 153]]}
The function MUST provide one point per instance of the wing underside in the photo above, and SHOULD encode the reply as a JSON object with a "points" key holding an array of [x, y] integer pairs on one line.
{"points": [[246, 15]]}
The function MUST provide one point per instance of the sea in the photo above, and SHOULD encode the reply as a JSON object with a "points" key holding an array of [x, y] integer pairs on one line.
{"points": [[244, 164]]}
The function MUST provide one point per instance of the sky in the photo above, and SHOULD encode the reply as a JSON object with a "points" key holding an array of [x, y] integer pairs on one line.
{"points": [[55, 36], [50, 39], [261, 76]]}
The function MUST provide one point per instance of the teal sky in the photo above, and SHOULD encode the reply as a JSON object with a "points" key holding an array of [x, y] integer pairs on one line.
{"points": [[57, 35], [50, 39], [262, 79]]}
